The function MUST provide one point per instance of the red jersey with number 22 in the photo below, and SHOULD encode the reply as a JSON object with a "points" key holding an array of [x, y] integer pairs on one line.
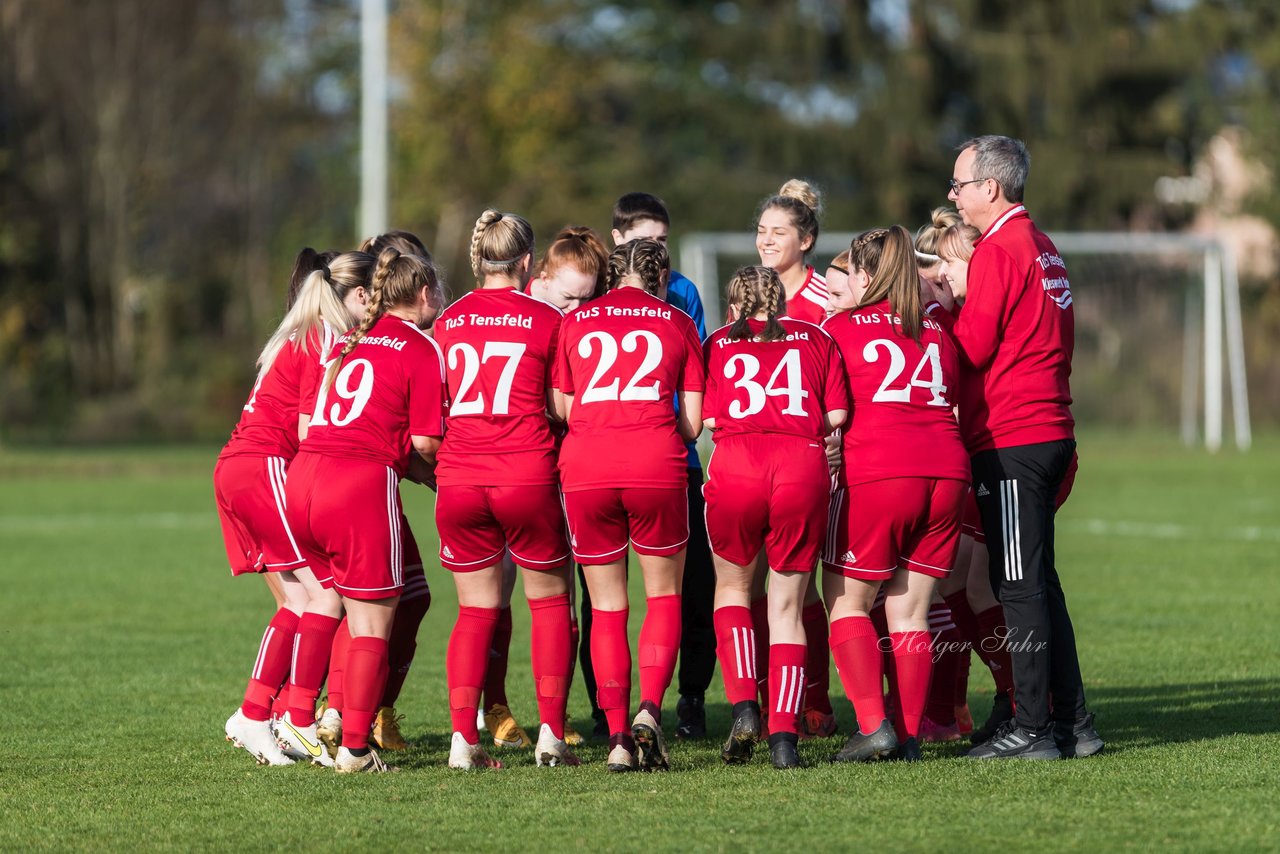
{"points": [[624, 357], [389, 387], [902, 423], [499, 347], [783, 387]]}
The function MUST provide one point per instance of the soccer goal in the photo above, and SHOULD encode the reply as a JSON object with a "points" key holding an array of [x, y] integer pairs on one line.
{"points": [[1158, 325]]}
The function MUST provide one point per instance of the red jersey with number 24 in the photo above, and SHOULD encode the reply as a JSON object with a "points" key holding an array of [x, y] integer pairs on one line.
{"points": [[902, 424], [783, 387], [389, 387], [499, 347], [624, 357]]}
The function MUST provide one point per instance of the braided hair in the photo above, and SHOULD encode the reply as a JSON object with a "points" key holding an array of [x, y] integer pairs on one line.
{"points": [[754, 289], [644, 259], [499, 242], [888, 257]]}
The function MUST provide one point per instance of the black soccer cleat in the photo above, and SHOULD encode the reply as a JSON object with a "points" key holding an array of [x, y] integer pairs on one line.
{"points": [[691, 717], [868, 747], [908, 751], [1013, 742], [782, 750], [743, 735], [1076, 741], [1001, 712]]}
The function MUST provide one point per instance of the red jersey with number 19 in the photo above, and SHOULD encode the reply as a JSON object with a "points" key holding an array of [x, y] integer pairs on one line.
{"points": [[902, 423], [390, 387], [499, 348], [784, 386], [624, 357]]}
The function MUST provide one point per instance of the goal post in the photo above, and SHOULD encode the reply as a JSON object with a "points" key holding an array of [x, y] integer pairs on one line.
{"points": [[1212, 336]]}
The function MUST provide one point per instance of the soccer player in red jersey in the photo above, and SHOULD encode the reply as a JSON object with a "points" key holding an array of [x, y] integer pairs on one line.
{"points": [[381, 401], [775, 388], [897, 519], [499, 486], [249, 480], [622, 360]]}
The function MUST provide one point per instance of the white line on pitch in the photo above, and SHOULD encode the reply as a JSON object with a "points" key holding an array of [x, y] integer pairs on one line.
{"points": [[57, 522], [1168, 530]]}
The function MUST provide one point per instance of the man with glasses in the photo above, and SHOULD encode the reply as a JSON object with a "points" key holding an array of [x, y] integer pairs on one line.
{"points": [[1016, 334]]}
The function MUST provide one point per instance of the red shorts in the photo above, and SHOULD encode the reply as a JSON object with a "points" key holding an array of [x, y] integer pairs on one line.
{"points": [[971, 526], [768, 492], [347, 517], [654, 520], [477, 523], [250, 495], [907, 522]]}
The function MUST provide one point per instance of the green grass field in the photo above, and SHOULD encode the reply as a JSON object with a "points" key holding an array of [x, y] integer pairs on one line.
{"points": [[126, 644]]}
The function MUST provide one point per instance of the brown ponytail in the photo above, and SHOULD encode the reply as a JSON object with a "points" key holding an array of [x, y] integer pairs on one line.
{"points": [[645, 259], [751, 290], [888, 257]]}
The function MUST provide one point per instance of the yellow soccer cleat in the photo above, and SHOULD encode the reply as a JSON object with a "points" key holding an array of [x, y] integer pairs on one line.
{"points": [[386, 730], [571, 736], [506, 732]]}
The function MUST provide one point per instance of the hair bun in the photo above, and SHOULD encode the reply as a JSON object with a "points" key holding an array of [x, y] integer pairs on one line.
{"points": [[804, 192], [489, 217]]}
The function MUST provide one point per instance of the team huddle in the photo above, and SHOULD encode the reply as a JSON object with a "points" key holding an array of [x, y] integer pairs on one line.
{"points": [[900, 423]]}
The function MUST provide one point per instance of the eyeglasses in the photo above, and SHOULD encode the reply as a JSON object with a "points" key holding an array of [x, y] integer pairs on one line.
{"points": [[956, 185]]}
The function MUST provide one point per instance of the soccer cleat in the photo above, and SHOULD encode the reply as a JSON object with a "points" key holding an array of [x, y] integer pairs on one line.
{"points": [[506, 732], [782, 750], [1013, 742], [255, 737], [691, 716], [571, 736], [816, 724], [329, 729], [908, 751], [964, 720], [930, 731], [301, 742], [1079, 740], [868, 747], [349, 763], [385, 734], [1001, 712], [743, 735], [467, 757], [621, 757], [552, 751], [647, 732]]}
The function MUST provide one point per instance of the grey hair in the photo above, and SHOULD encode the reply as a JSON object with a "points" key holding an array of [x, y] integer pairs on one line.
{"points": [[1003, 158]]}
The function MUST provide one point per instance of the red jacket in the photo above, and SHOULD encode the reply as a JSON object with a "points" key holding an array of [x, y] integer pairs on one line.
{"points": [[1016, 335]]}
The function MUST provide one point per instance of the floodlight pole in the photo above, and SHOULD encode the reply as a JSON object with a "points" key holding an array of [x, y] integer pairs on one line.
{"points": [[373, 118]]}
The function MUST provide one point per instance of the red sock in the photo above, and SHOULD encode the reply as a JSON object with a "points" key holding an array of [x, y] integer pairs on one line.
{"points": [[338, 665], [881, 622], [786, 685], [913, 657], [495, 680], [366, 675], [271, 667], [760, 620], [736, 649], [310, 662], [403, 643], [967, 627], [465, 664], [551, 651], [611, 658], [659, 646], [280, 702], [940, 705], [991, 647], [855, 645], [575, 637], [817, 661]]}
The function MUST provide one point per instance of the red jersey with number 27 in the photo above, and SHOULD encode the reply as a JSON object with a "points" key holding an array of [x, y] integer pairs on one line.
{"points": [[902, 423], [624, 357], [499, 347], [783, 387], [389, 387]]}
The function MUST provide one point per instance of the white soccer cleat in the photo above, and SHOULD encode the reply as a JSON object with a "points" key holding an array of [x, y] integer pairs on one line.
{"points": [[348, 763], [552, 751], [329, 730], [647, 733], [256, 738], [480, 719], [466, 756], [621, 760], [301, 742]]}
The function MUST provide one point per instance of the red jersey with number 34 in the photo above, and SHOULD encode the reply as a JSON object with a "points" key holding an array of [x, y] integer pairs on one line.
{"points": [[499, 347], [390, 387], [902, 424], [783, 387], [624, 357]]}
